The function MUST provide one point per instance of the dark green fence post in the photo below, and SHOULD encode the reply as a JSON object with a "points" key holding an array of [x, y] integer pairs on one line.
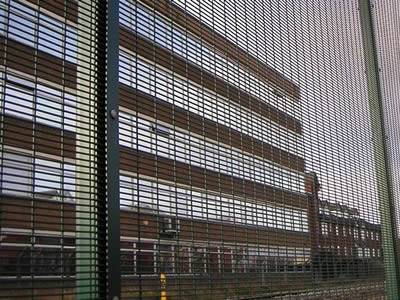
{"points": [[388, 228], [113, 207]]}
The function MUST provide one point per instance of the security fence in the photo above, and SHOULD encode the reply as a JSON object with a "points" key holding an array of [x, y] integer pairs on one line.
{"points": [[176, 149]]}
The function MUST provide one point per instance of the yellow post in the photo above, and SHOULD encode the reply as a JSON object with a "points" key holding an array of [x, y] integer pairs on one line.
{"points": [[163, 282]]}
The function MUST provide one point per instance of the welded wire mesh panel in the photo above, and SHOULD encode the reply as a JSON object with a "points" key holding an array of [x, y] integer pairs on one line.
{"points": [[48, 157], [250, 166]]}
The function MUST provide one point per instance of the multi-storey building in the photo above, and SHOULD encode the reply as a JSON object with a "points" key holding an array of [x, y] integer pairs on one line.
{"points": [[212, 185], [343, 243], [346, 233], [212, 169], [42, 100]]}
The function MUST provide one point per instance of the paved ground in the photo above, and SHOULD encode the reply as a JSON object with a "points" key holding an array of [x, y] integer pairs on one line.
{"points": [[364, 291]]}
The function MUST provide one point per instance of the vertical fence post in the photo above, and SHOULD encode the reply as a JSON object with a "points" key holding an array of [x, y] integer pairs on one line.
{"points": [[113, 206], [86, 209], [388, 229]]}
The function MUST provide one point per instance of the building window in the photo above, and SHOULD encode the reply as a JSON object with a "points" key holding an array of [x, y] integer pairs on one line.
{"points": [[160, 130], [23, 175], [146, 194], [213, 262], [53, 36], [226, 260], [182, 260], [19, 97], [239, 259], [57, 39], [45, 105], [271, 264], [21, 24], [355, 233], [51, 181], [128, 191], [3, 18], [145, 258], [360, 252], [127, 261], [198, 260], [127, 130], [324, 228], [16, 175], [281, 264], [257, 259], [165, 259], [362, 231], [290, 264], [54, 108], [38, 256]]}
